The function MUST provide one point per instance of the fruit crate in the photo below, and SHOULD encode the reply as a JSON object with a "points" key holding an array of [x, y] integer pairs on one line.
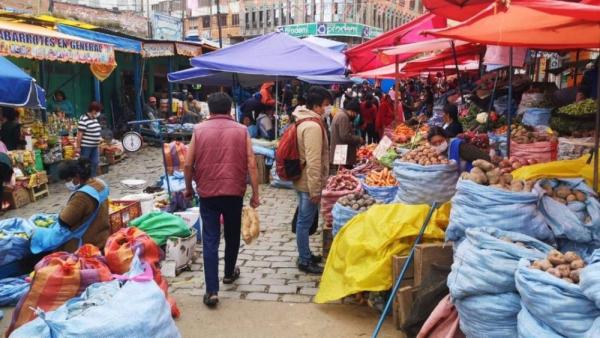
{"points": [[17, 198], [125, 212], [37, 179]]}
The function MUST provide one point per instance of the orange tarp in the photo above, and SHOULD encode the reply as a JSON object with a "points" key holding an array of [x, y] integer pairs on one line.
{"points": [[539, 24]]}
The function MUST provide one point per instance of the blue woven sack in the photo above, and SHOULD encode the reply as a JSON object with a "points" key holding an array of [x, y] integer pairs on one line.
{"points": [[341, 216], [12, 289], [425, 184], [476, 205], [14, 240], [384, 195], [537, 117]]}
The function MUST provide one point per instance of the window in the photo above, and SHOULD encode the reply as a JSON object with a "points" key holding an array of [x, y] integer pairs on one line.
{"points": [[260, 18], [206, 21], [223, 19], [253, 19], [235, 19], [247, 20]]}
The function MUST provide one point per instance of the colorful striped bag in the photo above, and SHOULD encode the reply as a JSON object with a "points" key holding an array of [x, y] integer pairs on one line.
{"points": [[59, 277], [120, 249]]}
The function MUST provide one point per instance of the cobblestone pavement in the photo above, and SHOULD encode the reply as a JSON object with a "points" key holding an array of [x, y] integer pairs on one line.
{"points": [[268, 266]]}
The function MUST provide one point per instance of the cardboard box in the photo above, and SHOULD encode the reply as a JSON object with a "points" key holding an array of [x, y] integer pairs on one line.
{"points": [[17, 198], [178, 254]]}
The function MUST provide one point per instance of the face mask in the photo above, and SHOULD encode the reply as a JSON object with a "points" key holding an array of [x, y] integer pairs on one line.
{"points": [[71, 186], [441, 147]]}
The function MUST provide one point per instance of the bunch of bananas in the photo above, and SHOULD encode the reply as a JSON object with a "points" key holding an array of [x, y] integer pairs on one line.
{"points": [[68, 152]]}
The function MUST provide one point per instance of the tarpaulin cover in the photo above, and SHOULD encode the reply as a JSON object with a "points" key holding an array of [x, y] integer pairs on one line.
{"points": [[18, 89], [120, 43], [275, 54], [59, 277], [540, 24], [458, 10], [326, 43], [362, 58], [361, 253], [476, 205], [553, 302], [558, 169], [465, 53], [423, 46], [136, 308]]}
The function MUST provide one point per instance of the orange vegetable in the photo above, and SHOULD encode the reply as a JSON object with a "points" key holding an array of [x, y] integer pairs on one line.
{"points": [[382, 178]]}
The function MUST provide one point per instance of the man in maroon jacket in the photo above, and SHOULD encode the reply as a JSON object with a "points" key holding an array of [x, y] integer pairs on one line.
{"points": [[219, 159]]}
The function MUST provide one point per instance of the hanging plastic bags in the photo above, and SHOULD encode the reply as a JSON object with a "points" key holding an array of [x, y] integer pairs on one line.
{"points": [[136, 308], [161, 225], [250, 225], [425, 184], [560, 305], [476, 205], [481, 281], [579, 221], [120, 251], [59, 277], [361, 252], [341, 216]]}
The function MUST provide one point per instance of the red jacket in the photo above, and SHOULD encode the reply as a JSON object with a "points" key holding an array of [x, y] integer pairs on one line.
{"points": [[385, 115], [368, 114], [220, 159]]}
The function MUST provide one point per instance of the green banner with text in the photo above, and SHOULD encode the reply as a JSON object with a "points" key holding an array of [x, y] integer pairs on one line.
{"points": [[331, 29]]}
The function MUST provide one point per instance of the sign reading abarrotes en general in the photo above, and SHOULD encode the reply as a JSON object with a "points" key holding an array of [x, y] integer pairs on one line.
{"points": [[54, 47], [331, 29]]}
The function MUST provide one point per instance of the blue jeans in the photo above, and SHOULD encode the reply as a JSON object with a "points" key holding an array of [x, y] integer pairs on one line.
{"points": [[211, 210], [306, 214], [92, 154]]}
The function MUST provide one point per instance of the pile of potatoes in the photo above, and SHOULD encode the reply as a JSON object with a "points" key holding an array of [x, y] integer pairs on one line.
{"points": [[563, 194], [564, 266], [485, 173], [358, 202], [424, 155]]}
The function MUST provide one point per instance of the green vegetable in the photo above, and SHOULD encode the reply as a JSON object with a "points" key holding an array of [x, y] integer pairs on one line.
{"points": [[584, 107]]}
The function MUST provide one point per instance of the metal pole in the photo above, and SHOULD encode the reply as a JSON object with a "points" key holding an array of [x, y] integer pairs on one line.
{"points": [[408, 261], [170, 86], [597, 130], [219, 24], [575, 73], [276, 106], [462, 98], [510, 94]]}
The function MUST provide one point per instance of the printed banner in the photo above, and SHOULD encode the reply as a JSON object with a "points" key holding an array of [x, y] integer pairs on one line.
{"points": [[188, 50], [151, 50], [46, 47], [331, 29]]}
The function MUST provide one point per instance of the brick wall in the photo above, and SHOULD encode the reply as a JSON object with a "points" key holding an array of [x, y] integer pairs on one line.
{"points": [[124, 21], [30, 6]]}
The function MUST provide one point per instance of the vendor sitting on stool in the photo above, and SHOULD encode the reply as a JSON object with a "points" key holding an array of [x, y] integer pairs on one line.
{"points": [[462, 152], [84, 219]]}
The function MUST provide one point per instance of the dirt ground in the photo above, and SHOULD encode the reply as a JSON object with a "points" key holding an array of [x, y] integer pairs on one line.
{"points": [[257, 319]]}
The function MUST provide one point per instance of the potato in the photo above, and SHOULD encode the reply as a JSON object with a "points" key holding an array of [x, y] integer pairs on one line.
{"points": [[528, 185], [574, 275], [545, 264], [554, 272], [507, 178], [577, 264], [493, 176], [580, 196], [483, 165], [567, 279], [562, 191], [556, 257], [571, 198], [564, 269], [571, 256], [478, 176], [516, 186]]}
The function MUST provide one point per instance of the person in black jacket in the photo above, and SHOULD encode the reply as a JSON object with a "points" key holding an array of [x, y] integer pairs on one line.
{"points": [[10, 131], [452, 126]]}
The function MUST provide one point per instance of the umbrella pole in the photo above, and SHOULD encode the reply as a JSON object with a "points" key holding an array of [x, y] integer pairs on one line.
{"points": [[597, 135], [510, 92], [276, 106], [462, 98], [397, 90]]}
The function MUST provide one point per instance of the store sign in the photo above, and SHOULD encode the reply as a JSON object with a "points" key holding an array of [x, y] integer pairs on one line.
{"points": [[42, 47], [188, 50], [331, 29], [166, 27], [151, 50]]}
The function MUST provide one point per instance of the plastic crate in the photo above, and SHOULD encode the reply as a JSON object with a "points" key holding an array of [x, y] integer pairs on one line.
{"points": [[127, 211]]}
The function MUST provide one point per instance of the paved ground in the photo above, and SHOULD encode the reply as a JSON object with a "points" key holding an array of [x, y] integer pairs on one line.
{"points": [[269, 272]]}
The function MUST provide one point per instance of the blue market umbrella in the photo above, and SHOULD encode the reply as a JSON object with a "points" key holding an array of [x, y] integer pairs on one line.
{"points": [[18, 89]]}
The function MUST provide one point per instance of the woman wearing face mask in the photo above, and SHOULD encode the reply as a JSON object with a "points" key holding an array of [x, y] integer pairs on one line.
{"points": [[89, 136], [456, 149], [84, 219]]}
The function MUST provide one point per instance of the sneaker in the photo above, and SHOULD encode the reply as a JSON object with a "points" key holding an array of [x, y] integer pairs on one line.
{"points": [[316, 259], [211, 300], [311, 268], [230, 280]]}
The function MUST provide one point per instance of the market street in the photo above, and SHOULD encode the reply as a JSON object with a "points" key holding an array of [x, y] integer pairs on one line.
{"points": [[268, 268]]}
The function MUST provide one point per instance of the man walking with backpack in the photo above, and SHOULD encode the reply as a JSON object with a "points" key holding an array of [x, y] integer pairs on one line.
{"points": [[309, 171]]}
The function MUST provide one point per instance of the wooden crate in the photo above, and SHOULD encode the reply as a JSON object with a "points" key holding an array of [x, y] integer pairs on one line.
{"points": [[428, 257], [263, 173], [128, 211], [38, 192], [17, 198]]}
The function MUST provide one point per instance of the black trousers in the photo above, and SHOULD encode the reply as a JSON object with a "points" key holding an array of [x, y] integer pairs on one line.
{"points": [[211, 210]]}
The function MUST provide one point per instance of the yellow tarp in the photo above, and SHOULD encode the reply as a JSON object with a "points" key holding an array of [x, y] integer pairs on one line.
{"points": [[361, 255], [559, 169]]}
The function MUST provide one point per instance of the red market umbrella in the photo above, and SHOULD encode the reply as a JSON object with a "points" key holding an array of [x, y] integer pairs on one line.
{"points": [[458, 10]]}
